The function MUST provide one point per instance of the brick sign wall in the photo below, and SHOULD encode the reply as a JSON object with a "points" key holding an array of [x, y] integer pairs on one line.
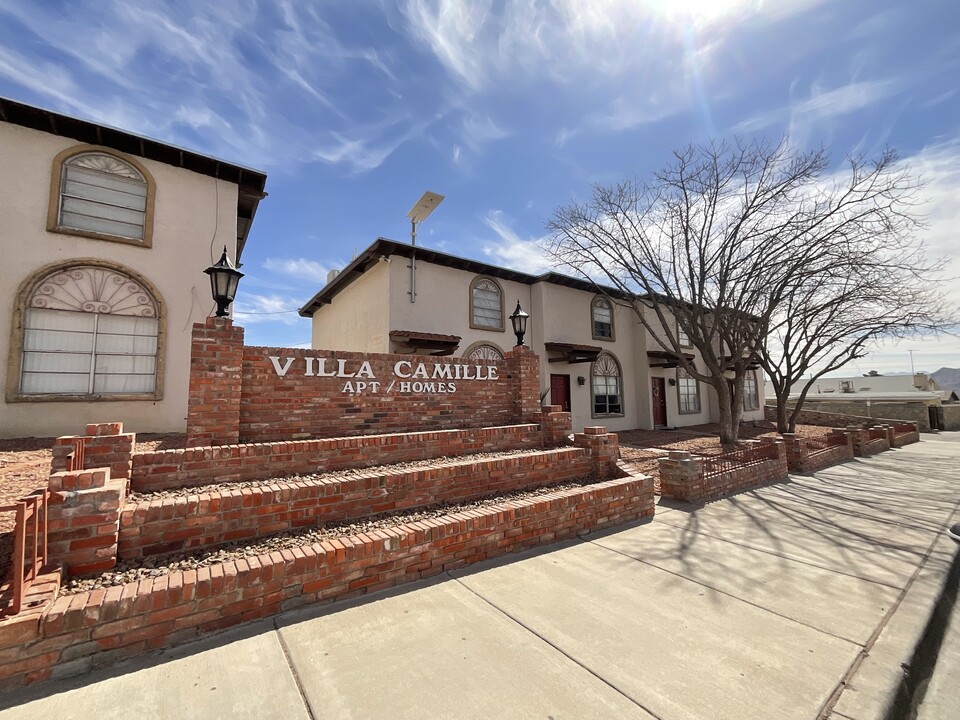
{"points": [[260, 394]]}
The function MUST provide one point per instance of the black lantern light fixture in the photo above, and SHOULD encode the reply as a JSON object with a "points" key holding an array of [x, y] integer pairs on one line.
{"points": [[519, 322], [224, 278]]}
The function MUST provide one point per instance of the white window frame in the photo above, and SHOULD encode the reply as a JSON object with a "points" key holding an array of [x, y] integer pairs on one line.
{"points": [[606, 359], [686, 398], [607, 306]]}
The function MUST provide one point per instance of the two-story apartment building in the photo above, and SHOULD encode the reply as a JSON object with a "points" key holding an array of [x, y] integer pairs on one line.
{"points": [[596, 359], [104, 237]]}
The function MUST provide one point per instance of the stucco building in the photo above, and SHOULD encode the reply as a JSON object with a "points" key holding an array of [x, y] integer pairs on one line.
{"points": [[104, 237], [596, 359]]}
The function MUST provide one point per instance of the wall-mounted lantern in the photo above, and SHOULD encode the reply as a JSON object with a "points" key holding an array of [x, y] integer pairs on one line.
{"points": [[581, 380], [224, 278], [519, 322]]}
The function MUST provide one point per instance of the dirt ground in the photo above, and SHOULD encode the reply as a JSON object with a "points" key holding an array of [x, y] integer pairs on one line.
{"points": [[644, 447], [25, 466]]}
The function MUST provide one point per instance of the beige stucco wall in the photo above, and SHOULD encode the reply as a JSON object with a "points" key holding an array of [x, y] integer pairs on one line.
{"points": [[443, 305], [557, 314], [358, 317], [194, 217]]}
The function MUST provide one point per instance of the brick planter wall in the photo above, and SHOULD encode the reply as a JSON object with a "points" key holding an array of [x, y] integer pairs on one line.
{"points": [[682, 477], [904, 434], [80, 632], [803, 458], [259, 461], [215, 518]]}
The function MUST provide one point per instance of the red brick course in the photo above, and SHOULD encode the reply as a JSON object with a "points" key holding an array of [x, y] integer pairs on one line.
{"points": [[77, 633], [214, 518], [904, 434], [258, 461]]}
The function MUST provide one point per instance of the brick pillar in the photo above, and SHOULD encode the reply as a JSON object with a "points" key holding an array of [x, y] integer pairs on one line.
{"points": [[681, 476], [216, 375], [104, 445], [555, 425], [857, 437], [524, 367], [604, 449], [83, 519], [796, 449]]}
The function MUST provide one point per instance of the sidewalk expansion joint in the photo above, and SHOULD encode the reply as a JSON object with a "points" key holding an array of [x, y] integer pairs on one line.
{"points": [[293, 670], [848, 676], [725, 593], [556, 647], [786, 556]]}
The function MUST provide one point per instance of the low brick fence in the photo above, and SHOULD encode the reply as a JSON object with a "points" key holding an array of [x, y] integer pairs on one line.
{"points": [[692, 478], [904, 434], [214, 518], [806, 455], [167, 469], [77, 633]]}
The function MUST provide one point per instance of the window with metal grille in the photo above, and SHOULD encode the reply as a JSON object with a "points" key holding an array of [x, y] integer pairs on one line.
{"points": [[89, 330], [602, 313], [606, 386], [486, 305], [102, 194], [688, 391]]}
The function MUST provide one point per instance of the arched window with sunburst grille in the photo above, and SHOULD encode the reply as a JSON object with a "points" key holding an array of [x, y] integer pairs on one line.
{"points": [[101, 195], [606, 386], [90, 330]]}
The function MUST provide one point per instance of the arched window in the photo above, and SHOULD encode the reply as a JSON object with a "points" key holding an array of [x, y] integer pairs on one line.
{"points": [[483, 351], [90, 330], [486, 305], [601, 315], [101, 195], [606, 386]]}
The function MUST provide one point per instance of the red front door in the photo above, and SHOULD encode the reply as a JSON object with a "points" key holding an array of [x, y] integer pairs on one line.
{"points": [[560, 391], [659, 395]]}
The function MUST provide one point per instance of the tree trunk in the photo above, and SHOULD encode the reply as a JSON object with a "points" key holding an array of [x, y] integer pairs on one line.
{"points": [[783, 425], [728, 430]]}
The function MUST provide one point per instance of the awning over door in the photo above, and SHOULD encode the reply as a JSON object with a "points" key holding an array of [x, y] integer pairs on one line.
{"points": [[571, 353], [665, 358], [415, 342]]}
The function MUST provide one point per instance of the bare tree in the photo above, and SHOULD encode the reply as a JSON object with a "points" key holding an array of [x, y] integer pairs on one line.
{"points": [[719, 241], [887, 291]]}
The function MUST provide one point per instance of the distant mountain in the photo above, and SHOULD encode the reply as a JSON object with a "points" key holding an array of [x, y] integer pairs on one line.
{"points": [[949, 378]]}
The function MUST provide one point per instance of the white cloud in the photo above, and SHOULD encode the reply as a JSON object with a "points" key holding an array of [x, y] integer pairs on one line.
{"points": [[252, 308], [299, 268], [512, 251], [823, 105]]}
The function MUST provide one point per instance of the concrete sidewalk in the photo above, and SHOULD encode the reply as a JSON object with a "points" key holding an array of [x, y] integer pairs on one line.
{"points": [[798, 600]]}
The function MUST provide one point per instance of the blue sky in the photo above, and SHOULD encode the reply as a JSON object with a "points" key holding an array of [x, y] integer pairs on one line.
{"points": [[510, 109]]}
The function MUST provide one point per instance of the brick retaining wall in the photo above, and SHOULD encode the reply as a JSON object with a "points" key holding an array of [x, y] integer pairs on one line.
{"points": [[259, 461], [214, 518], [682, 477], [80, 632]]}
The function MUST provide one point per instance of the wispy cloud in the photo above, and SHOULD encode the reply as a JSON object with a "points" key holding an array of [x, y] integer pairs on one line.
{"points": [[242, 81], [822, 104], [251, 308], [300, 268], [510, 250]]}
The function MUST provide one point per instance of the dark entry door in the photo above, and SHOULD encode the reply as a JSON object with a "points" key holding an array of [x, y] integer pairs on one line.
{"points": [[659, 395], [560, 391]]}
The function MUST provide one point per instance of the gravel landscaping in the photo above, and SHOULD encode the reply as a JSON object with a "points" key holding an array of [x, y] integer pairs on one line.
{"points": [[130, 570]]}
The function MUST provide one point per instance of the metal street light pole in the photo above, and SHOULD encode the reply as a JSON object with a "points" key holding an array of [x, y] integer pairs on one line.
{"points": [[418, 213]]}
